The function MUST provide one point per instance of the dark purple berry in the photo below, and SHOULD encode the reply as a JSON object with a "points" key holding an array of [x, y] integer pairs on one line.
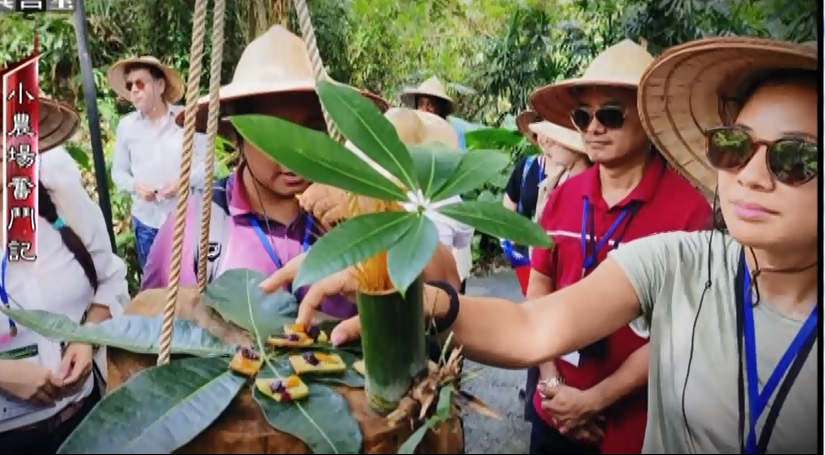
{"points": [[285, 396], [310, 358], [314, 332], [277, 387], [293, 337]]}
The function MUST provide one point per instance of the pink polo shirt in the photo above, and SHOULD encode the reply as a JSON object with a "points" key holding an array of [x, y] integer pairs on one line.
{"points": [[242, 248]]}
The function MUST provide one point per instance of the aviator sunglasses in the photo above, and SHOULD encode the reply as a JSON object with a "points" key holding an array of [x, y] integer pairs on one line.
{"points": [[610, 116], [792, 159]]}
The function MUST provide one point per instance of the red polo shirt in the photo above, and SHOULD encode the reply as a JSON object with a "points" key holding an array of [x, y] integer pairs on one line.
{"points": [[662, 201]]}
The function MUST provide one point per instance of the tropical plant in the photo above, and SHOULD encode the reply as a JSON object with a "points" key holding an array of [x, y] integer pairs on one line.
{"points": [[163, 408], [391, 244]]}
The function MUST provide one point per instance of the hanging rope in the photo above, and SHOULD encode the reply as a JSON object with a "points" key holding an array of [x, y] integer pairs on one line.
{"points": [[216, 61], [308, 32], [195, 66]]}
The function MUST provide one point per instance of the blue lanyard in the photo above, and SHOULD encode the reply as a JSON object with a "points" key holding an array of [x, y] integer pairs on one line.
{"points": [[256, 225], [4, 295], [758, 402], [590, 260]]}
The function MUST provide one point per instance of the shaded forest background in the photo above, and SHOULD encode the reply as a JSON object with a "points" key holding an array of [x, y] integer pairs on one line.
{"points": [[492, 53]]}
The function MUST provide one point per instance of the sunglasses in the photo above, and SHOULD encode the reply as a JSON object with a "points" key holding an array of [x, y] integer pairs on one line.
{"points": [[611, 117], [137, 83], [792, 160]]}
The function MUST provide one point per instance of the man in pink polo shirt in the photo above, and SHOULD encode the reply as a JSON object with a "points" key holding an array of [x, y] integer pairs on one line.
{"points": [[595, 400]]}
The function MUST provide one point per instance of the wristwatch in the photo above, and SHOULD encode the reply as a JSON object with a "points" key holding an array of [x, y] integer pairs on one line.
{"points": [[551, 383]]}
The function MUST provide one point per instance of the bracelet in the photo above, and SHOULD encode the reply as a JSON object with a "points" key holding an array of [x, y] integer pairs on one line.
{"points": [[442, 324]]}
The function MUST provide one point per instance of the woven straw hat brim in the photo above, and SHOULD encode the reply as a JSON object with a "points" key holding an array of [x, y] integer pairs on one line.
{"points": [[684, 92], [409, 96], [555, 102], [523, 121], [58, 123], [568, 138], [230, 93], [175, 87]]}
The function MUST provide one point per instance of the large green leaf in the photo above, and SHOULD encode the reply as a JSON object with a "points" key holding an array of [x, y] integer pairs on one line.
{"points": [[315, 156], [139, 334], [493, 219], [235, 295], [493, 138], [158, 410], [351, 242], [434, 165], [477, 167], [408, 257], [363, 124], [323, 420]]}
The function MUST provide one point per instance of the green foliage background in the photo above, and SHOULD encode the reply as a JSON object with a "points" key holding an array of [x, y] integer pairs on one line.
{"points": [[493, 53]]}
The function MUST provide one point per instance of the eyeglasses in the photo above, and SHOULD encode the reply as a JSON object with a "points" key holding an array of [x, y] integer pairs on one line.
{"points": [[612, 117], [792, 160], [137, 83]]}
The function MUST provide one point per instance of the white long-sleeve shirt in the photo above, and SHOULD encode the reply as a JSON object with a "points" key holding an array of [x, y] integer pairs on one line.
{"points": [[55, 282], [151, 154]]}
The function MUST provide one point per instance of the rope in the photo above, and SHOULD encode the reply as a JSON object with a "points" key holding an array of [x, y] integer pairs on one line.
{"points": [[195, 65], [211, 132], [308, 32]]}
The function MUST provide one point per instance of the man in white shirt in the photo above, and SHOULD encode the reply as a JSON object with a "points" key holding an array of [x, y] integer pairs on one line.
{"points": [[149, 145]]}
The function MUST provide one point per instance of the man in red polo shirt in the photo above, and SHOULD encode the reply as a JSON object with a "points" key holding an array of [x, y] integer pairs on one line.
{"points": [[595, 400]]}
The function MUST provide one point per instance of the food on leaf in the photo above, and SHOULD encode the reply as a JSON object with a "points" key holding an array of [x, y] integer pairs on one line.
{"points": [[293, 340], [313, 332], [283, 390], [317, 362], [360, 367], [246, 361]]}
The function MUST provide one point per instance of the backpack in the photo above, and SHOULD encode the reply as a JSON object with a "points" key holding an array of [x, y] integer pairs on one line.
{"points": [[218, 229], [528, 164]]}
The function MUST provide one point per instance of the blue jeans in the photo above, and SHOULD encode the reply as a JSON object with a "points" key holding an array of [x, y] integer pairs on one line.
{"points": [[144, 237]]}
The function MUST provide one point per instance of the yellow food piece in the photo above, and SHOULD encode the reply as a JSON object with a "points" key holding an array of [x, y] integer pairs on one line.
{"points": [[244, 366], [331, 364], [277, 342], [360, 367], [295, 328], [297, 391]]}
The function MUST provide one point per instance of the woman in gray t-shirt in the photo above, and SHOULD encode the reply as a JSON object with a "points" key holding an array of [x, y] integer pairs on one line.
{"points": [[738, 116]]}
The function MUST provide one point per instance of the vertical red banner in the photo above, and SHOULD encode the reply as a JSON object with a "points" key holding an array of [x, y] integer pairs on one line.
{"points": [[21, 126]]}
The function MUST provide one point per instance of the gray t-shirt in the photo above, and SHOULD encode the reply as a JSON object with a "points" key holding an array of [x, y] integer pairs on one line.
{"points": [[668, 272]]}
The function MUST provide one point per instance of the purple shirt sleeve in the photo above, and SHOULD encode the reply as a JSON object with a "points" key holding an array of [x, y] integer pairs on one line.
{"points": [[158, 264]]}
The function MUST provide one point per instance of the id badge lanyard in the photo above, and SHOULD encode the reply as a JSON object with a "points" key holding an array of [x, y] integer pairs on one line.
{"points": [[790, 363], [262, 237], [590, 260], [4, 296]]}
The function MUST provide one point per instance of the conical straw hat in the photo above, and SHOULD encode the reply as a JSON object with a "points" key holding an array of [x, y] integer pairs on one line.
{"points": [[418, 127], [523, 121], [58, 123], [689, 88], [175, 88], [570, 139], [273, 63], [620, 65], [431, 87]]}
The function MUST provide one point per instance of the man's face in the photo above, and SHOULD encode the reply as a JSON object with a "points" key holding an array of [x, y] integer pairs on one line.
{"points": [[428, 104], [145, 91], [609, 122], [300, 108]]}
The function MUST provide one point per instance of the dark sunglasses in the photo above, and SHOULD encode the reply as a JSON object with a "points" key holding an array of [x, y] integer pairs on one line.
{"points": [[792, 160], [137, 83], [611, 117]]}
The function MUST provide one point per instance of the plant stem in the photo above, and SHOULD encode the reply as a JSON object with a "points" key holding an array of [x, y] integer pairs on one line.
{"points": [[392, 337]]}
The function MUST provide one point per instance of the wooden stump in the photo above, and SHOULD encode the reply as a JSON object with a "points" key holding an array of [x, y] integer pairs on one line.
{"points": [[242, 428]]}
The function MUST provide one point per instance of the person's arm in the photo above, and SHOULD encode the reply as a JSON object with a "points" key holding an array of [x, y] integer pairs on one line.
{"points": [[442, 267], [512, 192], [631, 375], [539, 286], [121, 162]]}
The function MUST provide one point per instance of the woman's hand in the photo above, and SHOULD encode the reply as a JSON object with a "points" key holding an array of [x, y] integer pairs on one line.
{"points": [[571, 408], [326, 203], [77, 365], [30, 382], [341, 283]]}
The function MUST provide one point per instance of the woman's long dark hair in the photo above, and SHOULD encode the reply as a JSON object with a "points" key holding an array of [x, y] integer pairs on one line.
{"points": [[72, 241]]}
